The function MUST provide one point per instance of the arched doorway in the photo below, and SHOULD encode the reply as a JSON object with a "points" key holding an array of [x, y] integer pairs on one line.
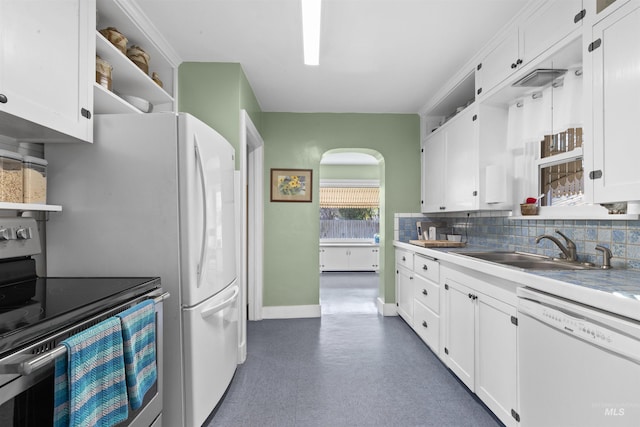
{"points": [[351, 228]]}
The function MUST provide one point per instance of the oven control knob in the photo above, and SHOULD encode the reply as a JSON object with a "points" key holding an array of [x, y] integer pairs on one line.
{"points": [[23, 233], [4, 234]]}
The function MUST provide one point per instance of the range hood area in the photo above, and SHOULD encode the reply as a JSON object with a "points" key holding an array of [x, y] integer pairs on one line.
{"points": [[539, 77]]}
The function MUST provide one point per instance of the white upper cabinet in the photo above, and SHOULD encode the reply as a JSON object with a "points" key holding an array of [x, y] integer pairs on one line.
{"points": [[456, 158], [461, 162], [547, 25], [450, 165], [46, 69], [433, 172], [615, 71], [499, 64]]}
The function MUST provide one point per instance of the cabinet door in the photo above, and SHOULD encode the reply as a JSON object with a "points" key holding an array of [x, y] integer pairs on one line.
{"points": [[460, 331], [499, 64], [462, 162], [334, 259], [616, 106], [426, 323], [496, 357], [547, 26], [362, 259], [404, 294], [433, 173], [47, 52], [427, 292]]}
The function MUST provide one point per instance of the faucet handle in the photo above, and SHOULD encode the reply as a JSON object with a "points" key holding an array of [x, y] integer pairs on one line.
{"points": [[570, 242], [606, 256]]}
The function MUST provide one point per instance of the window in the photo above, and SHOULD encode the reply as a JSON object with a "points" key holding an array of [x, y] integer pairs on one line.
{"points": [[560, 169], [349, 212]]}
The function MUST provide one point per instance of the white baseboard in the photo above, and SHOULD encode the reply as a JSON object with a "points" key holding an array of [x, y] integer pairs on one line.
{"points": [[290, 311], [242, 353], [386, 309]]}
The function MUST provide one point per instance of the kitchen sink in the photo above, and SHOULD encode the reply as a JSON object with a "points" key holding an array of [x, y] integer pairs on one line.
{"points": [[528, 261]]}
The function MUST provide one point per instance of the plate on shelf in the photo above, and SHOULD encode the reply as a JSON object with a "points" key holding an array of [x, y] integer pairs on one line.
{"points": [[140, 103]]}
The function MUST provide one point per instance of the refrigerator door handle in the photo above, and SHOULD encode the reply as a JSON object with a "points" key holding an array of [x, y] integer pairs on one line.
{"points": [[203, 184], [210, 311]]}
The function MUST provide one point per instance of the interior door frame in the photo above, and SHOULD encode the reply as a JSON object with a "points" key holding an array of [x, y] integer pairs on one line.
{"points": [[252, 246]]}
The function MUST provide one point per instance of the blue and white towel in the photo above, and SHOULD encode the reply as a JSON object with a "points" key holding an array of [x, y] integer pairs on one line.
{"points": [[139, 336], [90, 385]]}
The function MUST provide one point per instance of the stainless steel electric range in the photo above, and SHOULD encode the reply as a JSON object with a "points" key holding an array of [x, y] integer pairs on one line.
{"points": [[37, 313]]}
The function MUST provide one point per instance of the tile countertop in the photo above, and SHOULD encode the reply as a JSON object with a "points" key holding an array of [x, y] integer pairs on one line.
{"points": [[615, 290]]}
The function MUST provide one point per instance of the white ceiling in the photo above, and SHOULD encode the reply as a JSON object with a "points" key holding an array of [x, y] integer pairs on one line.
{"points": [[375, 55]]}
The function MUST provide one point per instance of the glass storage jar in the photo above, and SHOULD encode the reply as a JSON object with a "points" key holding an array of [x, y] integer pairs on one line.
{"points": [[10, 177], [34, 170]]}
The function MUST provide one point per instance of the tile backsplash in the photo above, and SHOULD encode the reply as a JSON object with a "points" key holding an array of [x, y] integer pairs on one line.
{"points": [[499, 231]]}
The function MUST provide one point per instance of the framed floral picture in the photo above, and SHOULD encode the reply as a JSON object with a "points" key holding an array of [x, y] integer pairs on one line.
{"points": [[291, 185]]}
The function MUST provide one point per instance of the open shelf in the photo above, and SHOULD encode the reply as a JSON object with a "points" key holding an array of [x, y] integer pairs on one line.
{"points": [[29, 207]]}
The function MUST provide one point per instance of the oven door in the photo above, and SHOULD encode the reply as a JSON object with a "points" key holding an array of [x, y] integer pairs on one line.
{"points": [[19, 395], [27, 400]]}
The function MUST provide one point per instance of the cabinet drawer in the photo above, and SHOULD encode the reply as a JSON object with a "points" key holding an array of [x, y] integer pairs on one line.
{"points": [[428, 293], [404, 259], [427, 325], [427, 268]]}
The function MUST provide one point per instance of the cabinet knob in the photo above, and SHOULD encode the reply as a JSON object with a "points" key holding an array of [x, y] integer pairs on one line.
{"points": [[85, 113], [410, 277], [424, 292], [519, 61], [404, 259], [424, 324], [424, 267], [513, 65], [3, 98]]}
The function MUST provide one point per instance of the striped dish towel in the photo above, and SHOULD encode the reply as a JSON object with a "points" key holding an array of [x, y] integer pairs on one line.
{"points": [[90, 386], [139, 337]]}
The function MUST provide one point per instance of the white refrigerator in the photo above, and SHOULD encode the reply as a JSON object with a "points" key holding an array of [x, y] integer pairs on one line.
{"points": [[154, 196]]}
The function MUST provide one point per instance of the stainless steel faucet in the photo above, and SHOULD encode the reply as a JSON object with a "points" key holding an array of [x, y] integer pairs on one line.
{"points": [[606, 257], [570, 253]]}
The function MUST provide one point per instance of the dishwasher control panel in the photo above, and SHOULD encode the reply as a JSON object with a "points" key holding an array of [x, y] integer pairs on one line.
{"points": [[605, 330], [575, 326]]}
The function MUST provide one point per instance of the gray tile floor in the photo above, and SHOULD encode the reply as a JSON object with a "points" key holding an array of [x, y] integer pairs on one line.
{"points": [[351, 367]]}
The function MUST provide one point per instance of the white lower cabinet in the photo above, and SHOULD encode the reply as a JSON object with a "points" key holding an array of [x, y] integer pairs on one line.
{"points": [[404, 294], [496, 357], [349, 258], [418, 295], [479, 343]]}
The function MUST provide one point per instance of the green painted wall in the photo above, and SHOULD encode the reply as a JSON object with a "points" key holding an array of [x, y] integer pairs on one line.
{"points": [[349, 172], [215, 93], [298, 140]]}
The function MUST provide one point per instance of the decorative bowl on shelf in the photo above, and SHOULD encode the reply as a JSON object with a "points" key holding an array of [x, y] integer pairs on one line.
{"points": [[528, 208], [156, 78], [139, 57], [116, 38], [140, 103]]}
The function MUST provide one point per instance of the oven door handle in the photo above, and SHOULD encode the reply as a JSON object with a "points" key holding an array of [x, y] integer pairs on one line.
{"points": [[26, 367]]}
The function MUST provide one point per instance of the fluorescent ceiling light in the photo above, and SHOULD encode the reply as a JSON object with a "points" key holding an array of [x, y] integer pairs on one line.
{"points": [[311, 31]]}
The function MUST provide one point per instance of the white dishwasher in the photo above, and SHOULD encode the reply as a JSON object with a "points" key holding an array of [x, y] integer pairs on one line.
{"points": [[577, 365]]}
